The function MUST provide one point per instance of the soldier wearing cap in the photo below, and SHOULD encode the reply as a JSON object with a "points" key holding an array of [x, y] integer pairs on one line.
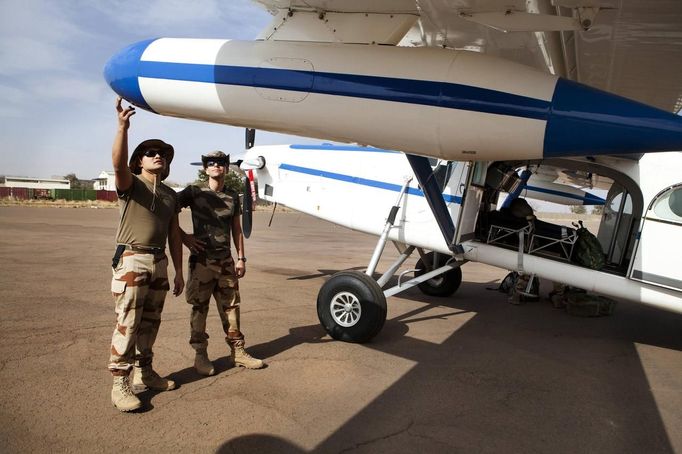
{"points": [[213, 270], [140, 279]]}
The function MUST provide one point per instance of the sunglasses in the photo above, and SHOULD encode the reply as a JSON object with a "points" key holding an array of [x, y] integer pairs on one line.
{"points": [[215, 163], [153, 152]]}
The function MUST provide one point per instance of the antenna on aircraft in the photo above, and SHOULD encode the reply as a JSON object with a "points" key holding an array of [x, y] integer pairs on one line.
{"points": [[250, 138]]}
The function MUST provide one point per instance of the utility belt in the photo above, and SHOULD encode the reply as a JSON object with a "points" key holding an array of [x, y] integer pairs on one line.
{"points": [[127, 247]]}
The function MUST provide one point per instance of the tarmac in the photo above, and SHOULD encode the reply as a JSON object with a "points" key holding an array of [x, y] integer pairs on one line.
{"points": [[468, 373]]}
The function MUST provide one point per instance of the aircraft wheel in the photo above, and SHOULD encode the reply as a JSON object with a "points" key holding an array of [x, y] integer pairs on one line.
{"points": [[444, 285], [351, 307]]}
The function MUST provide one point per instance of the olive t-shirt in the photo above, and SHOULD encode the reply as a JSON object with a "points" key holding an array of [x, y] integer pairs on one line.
{"points": [[145, 214]]}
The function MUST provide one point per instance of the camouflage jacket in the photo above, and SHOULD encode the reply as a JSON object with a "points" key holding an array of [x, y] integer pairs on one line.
{"points": [[212, 214]]}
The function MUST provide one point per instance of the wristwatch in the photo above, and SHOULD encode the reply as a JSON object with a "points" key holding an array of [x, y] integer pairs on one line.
{"points": [[243, 259]]}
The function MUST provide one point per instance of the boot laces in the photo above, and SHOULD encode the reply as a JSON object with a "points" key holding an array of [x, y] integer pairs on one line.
{"points": [[239, 351], [125, 387]]}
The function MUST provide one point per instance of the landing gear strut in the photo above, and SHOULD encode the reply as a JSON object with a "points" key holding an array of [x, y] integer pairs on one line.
{"points": [[351, 305]]}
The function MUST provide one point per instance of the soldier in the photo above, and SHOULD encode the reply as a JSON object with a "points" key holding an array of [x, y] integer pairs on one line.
{"points": [[212, 268], [140, 281]]}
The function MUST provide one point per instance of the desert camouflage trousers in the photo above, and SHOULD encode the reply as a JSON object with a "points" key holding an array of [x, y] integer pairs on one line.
{"points": [[217, 278], [139, 287]]}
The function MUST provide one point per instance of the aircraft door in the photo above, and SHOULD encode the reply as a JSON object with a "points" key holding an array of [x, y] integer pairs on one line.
{"points": [[470, 189], [658, 258], [615, 227]]}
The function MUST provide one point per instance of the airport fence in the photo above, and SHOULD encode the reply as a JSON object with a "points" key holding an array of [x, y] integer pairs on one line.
{"points": [[57, 194]]}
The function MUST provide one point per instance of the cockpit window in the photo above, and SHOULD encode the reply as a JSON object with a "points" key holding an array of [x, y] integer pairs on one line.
{"points": [[669, 205]]}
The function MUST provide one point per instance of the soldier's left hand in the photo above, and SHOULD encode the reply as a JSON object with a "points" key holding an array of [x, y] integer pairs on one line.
{"points": [[178, 284], [240, 269]]}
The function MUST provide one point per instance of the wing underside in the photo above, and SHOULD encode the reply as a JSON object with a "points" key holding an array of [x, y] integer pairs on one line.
{"points": [[632, 48]]}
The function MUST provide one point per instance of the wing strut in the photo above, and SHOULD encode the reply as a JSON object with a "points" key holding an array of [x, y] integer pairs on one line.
{"points": [[434, 197]]}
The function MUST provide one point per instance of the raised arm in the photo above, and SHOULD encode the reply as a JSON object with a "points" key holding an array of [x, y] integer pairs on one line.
{"points": [[119, 151]]}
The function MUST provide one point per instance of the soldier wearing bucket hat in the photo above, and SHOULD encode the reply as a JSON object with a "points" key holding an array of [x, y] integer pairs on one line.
{"points": [[213, 270], [140, 280]]}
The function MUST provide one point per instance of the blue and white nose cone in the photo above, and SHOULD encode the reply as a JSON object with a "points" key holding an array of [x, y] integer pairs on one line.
{"points": [[436, 102], [122, 71]]}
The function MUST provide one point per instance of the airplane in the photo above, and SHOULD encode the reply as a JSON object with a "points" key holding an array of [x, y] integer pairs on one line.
{"points": [[478, 97], [376, 191]]}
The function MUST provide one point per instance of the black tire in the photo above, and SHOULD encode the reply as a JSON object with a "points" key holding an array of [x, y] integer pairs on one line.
{"points": [[443, 285], [365, 302]]}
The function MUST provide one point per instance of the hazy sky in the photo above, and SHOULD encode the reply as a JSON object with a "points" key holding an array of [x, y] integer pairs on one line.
{"points": [[57, 113]]}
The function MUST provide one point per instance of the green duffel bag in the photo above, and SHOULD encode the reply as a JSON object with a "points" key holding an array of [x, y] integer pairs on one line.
{"points": [[583, 304], [587, 250]]}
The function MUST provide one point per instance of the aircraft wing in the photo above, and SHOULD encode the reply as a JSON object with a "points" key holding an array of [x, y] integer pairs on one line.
{"points": [[632, 48], [452, 79]]}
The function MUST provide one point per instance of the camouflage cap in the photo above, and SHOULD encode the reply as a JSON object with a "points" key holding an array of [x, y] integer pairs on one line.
{"points": [[134, 163], [215, 156]]}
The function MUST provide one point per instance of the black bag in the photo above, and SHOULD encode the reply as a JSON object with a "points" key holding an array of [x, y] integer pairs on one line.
{"points": [[587, 251]]}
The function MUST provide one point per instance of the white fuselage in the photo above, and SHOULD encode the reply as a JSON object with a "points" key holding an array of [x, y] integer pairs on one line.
{"points": [[356, 187]]}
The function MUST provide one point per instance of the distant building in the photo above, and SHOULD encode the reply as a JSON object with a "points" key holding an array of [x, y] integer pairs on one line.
{"points": [[34, 183], [105, 181]]}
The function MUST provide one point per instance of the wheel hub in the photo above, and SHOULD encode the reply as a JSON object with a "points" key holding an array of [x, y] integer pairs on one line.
{"points": [[345, 309]]}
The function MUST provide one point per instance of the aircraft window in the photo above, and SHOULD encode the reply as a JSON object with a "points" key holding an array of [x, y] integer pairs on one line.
{"points": [[478, 178], [615, 202], [443, 172], [669, 205]]}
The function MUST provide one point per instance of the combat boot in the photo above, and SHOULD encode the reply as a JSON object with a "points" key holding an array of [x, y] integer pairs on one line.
{"points": [[202, 364], [241, 358], [146, 378], [122, 396]]}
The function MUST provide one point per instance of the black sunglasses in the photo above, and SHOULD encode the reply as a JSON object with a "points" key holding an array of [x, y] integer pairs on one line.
{"points": [[153, 152], [216, 163]]}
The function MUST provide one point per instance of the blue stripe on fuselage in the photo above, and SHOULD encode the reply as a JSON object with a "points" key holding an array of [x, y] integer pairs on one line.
{"points": [[362, 181], [332, 147], [423, 92]]}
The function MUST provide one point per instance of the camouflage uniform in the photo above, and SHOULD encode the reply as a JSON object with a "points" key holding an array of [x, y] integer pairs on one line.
{"points": [[211, 272], [140, 278], [139, 287]]}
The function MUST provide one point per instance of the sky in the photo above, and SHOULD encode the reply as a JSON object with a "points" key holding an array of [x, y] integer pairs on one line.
{"points": [[57, 113]]}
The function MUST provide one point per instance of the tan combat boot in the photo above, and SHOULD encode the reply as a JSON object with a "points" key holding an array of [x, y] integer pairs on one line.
{"points": [[122, 396], [241, 358], [202, 364], [146, 377]]}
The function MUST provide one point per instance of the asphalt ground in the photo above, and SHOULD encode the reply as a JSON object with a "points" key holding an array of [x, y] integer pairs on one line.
{"points": [[470, 373]]}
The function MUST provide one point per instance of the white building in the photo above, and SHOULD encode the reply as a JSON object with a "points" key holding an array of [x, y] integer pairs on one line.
{"points": [[105, 181], [35, 183]]}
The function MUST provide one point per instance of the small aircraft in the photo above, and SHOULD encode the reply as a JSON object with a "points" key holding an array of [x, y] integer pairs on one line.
{"points": [[639, 229], [477, 95]]}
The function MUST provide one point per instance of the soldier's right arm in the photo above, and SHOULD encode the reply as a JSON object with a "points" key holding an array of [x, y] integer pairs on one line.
{"points": [[119, 151], [185, 197]]}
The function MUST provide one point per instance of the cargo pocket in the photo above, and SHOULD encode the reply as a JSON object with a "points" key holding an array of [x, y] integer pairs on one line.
{"points": [[118, 288]]}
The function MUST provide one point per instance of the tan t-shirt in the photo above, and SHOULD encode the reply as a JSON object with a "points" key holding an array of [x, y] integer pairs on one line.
{"points": [[145, 216]]}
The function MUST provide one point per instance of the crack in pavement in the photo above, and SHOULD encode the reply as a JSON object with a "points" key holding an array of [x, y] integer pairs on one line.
{"points": [[208, 385], [227, 375], [69, 345], [71, 330], [374, 440]]}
